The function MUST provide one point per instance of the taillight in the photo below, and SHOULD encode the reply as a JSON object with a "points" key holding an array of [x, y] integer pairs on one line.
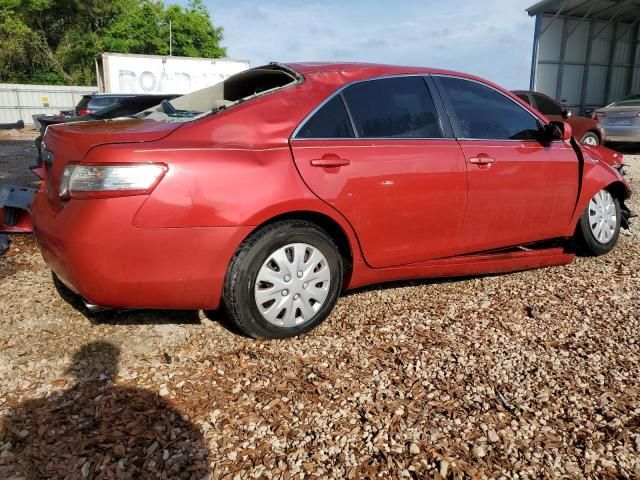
{"points": [[100, 181], [84, 111]]}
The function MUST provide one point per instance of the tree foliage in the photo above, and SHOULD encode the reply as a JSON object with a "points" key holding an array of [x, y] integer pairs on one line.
{"points": [[56, 41]]}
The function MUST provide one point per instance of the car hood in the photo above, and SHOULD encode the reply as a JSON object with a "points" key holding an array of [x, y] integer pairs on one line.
{"points": [[604, 154]]}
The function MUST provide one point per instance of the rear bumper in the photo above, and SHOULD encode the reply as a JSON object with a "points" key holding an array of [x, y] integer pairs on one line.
{"points": [[620, 133], [95, 250]]}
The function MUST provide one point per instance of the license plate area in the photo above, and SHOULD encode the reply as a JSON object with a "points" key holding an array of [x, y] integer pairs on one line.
{"points": [[620, 121]]}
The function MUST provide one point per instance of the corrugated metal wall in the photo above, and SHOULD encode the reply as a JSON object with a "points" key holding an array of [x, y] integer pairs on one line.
{"points": [[20, 102], [586, 63]]}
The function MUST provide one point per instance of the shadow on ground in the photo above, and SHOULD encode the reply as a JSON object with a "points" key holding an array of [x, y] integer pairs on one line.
{"points": [[16, 156], [98, 429], [143, 316]]}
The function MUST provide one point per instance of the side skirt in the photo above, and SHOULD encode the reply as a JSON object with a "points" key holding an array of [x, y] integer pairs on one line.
{"points": [[468, 265]]}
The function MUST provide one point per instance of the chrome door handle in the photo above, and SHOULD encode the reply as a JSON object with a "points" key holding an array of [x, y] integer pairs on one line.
{"points": [[330, 162], [482, 160]]}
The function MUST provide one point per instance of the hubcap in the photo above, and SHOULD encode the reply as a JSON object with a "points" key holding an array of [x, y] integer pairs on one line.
{"points": [[602, 216], [292, 285], [590, 140]]}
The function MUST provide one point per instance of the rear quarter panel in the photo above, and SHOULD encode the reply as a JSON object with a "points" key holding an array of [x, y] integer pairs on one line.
{"points": [[231, 169]]}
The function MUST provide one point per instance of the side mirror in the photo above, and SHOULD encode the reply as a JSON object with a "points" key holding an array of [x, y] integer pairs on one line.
{"points": [[567, 131], [557, 131], [566, 114]]}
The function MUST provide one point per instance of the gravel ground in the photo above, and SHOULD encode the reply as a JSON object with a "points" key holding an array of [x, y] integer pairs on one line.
{"points": [[526, 375]]}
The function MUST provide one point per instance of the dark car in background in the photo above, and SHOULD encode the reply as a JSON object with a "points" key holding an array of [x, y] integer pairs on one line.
{"points": [[93, 103], [622, 119], [587, 130]]}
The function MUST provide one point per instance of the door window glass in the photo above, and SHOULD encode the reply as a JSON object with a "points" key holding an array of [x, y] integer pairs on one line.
{"points": [[546, 106], [399, 107], [485, 113], [331, 121]]}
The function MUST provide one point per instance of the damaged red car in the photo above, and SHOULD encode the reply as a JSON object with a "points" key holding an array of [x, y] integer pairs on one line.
{"points": [[273, 191]]}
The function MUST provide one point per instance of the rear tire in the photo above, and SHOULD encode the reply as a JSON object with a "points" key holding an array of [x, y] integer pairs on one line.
{"points": [[591, 139], [284, 280], [599, 226]]}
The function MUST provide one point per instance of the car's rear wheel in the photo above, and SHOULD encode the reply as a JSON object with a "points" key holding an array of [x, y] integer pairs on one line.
{"points": [[590, 138], [599, 225], [284, 280]]}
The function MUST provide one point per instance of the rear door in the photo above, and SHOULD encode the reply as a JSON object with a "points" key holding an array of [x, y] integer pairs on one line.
{"points": [[380, 153], [520, 190]]}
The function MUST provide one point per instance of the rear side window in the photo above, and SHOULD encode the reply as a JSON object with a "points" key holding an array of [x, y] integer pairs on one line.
{"points": [[84, 101], [331, 121], [546, 106], [399, 107], [103, 101], [485, 113]]}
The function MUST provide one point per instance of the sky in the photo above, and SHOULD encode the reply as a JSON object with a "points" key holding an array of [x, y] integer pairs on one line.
{"points": [[489, 38]]}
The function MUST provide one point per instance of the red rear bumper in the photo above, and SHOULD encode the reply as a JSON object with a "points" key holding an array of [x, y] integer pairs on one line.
{"points": [[94, 249]]}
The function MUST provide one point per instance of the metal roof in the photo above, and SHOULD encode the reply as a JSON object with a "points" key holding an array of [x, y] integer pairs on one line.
{"points": [[624, 11]]}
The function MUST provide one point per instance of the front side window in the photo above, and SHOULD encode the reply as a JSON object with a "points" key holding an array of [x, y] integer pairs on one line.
{"points": [[330, 121], [398, 107], [546, 106], [486, 114]]}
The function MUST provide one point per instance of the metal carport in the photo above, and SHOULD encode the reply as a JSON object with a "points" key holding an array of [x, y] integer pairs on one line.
{"points": [[585, 52]]}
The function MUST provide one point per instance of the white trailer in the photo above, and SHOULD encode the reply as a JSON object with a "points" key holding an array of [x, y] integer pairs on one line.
{"points": [[129, 73]]}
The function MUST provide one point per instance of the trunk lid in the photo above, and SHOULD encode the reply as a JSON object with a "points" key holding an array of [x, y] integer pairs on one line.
{"points": [[620, 115], [70, 142]]}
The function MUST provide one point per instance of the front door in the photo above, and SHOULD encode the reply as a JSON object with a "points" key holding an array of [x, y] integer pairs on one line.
{"points": [[378, 153], [520, 190]]}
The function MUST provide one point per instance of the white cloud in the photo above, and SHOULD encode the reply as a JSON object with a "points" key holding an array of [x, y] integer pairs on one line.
{"points": [[490, 38]]}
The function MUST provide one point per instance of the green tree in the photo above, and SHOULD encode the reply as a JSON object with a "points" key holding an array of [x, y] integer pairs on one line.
{"points": [[56, 41]]}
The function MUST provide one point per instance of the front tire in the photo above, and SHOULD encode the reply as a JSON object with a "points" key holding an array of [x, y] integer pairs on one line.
{"points": [[591, 139], [599, 226], [284, 280]]}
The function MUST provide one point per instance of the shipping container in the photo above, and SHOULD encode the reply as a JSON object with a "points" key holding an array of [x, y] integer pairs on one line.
{"points": [[129, 73]]}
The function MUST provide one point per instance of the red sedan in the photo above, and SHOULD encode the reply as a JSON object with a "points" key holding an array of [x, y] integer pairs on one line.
{"points": [[275, 190]]}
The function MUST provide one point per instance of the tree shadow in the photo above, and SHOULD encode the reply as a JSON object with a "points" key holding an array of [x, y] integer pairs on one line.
{"points": [[97, 429]]}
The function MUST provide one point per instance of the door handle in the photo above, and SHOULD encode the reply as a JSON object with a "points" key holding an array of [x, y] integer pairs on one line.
{"points": [[482, 160], [330, 161]]}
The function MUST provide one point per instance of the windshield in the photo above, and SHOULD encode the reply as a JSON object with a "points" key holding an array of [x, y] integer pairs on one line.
{"points": [[238, 88], [628, 101]]}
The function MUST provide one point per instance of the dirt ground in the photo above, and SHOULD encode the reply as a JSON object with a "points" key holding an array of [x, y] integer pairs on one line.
{"points": [[527, 375]]}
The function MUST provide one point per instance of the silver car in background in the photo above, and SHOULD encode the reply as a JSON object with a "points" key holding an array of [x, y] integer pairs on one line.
{"points": [[621, 119]]}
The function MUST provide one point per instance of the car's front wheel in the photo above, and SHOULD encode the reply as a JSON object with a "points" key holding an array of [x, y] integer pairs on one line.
{"points": [[599, 225], [590, 138], [284, 280]]}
